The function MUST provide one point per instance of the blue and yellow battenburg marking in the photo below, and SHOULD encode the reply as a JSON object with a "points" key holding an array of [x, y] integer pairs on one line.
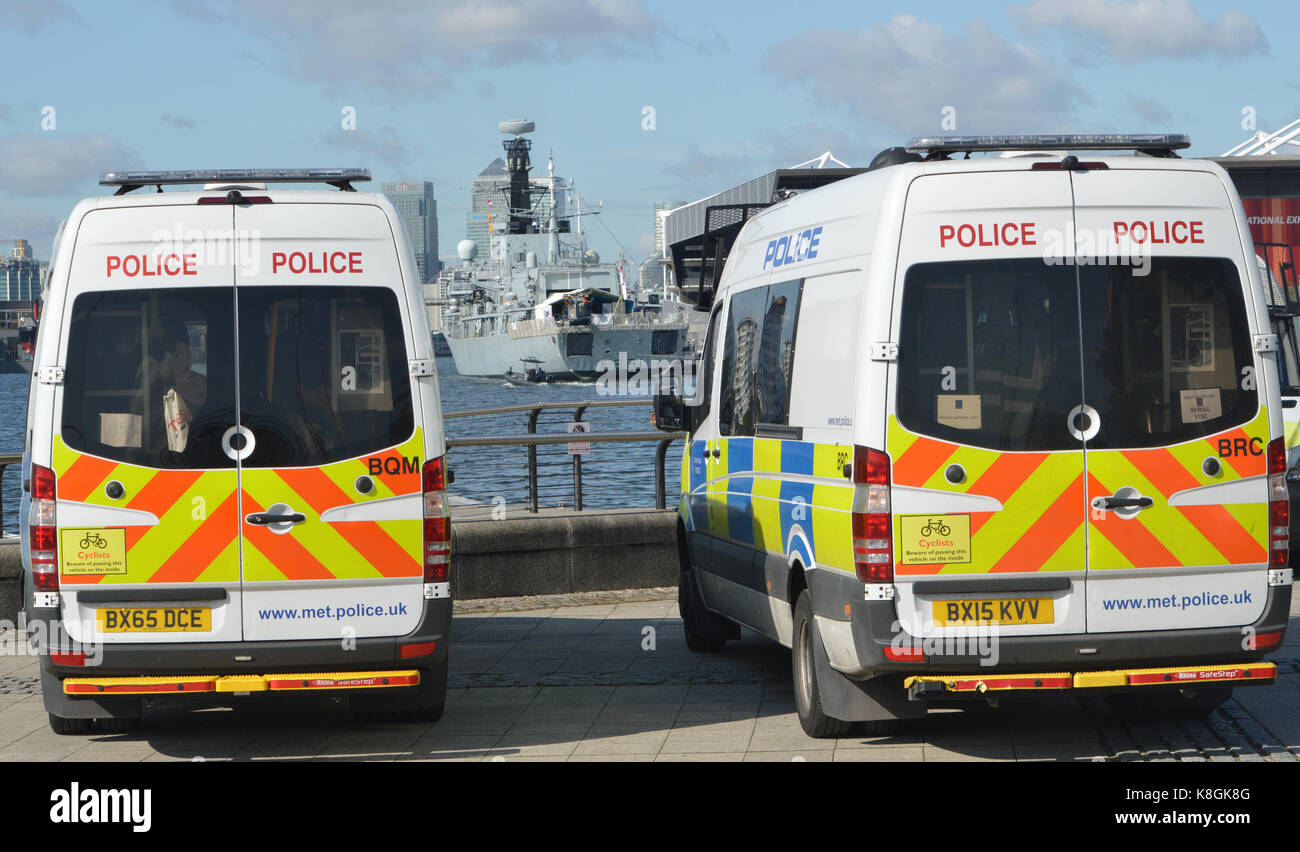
{"points": [[782, 496]]}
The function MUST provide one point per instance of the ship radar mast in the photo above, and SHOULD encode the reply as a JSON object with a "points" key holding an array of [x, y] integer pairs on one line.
{"points": [[518, 165]]}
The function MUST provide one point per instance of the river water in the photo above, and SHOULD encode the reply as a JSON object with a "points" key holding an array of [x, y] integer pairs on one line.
{"points": [[613, 475]]}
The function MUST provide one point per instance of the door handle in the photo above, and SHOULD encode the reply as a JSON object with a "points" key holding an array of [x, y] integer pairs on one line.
{"points": [[717, 454], [1123, 502], [262, 519]]}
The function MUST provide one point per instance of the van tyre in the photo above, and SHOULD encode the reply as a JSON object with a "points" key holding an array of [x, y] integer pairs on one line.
{"points": [[807, 696], [705, 631], [104, 725]]}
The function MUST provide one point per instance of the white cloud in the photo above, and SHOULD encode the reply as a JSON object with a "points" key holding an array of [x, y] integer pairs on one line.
{"points": [[35, 164], [410, 47], [906, 72], [1139, 30]]}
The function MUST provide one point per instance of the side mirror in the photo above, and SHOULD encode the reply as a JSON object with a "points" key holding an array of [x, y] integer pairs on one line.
{"points": [[670, 413]]}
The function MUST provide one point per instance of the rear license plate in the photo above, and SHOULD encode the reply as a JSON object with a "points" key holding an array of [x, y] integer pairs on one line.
{"points": [[155, 619], [993, 611]]}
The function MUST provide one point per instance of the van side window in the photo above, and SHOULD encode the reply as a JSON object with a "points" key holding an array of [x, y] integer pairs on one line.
{"points": [[775, 361], [141, 361], [738, 403], [758, 361]]}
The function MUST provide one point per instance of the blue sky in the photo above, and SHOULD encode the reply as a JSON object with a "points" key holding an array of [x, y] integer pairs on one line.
{"points": [[737, 88]]}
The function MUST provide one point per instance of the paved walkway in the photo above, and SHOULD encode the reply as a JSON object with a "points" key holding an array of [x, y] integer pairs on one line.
{"points": [[614, 681]]}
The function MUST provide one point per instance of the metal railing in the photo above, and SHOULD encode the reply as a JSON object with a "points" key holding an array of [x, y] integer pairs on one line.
{"points": [[532, 440]]}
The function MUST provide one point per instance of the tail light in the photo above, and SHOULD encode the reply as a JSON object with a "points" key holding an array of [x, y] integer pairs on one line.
{"points": [[42, 531], [1279, 506], [437, 522], [873, 537]]}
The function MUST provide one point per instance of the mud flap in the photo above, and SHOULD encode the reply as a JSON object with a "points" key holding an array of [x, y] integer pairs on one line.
{"points": [[877, 699]]}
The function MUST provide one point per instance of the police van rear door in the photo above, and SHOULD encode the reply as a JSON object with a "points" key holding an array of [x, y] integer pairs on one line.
{"points": [[988, 480], [148, 537], [1175, 394], [329, 445]]}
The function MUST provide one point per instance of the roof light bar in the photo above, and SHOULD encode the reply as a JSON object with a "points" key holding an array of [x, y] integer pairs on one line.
{"points": [[127, 181], [1058, 141]]}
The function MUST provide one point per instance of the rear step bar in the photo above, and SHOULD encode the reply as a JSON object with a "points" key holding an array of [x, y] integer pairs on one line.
{"points": [[236, 684], [923, 687]]}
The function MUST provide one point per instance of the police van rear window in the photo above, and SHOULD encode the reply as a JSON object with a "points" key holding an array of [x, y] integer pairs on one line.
{"points": [[144, 379], [990, 352], [150, 376], [322, 373]]}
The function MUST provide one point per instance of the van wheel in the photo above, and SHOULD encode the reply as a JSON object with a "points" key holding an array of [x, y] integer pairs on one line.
{"points": [[807, 697], [65, 726], [697, 622]]}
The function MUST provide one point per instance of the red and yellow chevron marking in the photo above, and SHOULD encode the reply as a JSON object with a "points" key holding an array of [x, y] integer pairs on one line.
{"points": [[315, 550], [1045, 498], [196, 537], [1164, 535], [1041, 525]]}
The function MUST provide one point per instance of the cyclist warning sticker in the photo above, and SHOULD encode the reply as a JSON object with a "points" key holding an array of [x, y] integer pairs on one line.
{"points": [[933, 539], [97, 551]]}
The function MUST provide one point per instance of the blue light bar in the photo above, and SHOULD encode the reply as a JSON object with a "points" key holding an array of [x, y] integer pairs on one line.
{"points": [[1056, 141], [143, 178]]}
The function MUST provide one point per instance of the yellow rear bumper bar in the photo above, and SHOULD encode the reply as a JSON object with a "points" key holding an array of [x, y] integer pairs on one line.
{"points": [[1164, 676], [232, 684]]}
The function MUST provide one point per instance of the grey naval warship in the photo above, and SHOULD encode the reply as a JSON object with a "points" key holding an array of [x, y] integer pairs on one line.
{"points": [[541, 307]]}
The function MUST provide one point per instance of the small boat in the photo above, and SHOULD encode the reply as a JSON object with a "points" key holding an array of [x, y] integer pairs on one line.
{"points": [[533, 375]]}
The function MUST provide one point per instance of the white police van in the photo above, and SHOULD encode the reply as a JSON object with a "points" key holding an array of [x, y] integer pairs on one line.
{"points": [[234, 466], [993, 425]]}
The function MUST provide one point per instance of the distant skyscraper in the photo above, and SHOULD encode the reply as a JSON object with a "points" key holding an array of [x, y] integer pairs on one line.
{"points": [[419, 213], [662, 209], [20, 274], [653, 274]]}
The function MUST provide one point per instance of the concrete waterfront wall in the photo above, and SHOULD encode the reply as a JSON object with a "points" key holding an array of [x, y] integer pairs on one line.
{"points": [[522, 554]]}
